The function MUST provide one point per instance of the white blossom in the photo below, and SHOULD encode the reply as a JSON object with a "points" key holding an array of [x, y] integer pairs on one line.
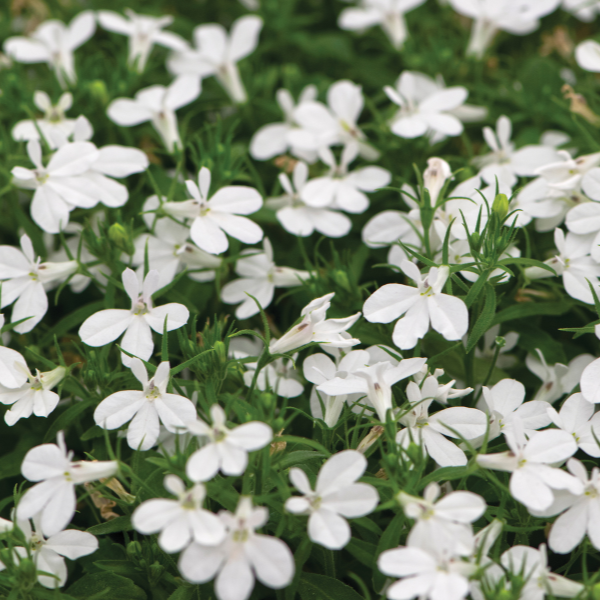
{"points": [[584, 10], [280, 376], [587, 55]]}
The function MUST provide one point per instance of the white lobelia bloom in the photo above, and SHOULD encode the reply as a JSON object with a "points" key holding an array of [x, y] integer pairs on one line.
{"points": [[217, 54], [52, 467], [272, 140], [157, 104], [334, 124], [374, 381], [52, 123], [35, 396], [574, 263], [145, 409], [532, 566], [444, 390], [143, 31], [136, 323], [421, 306], [243, 556], [225, 449], [557, 379], [49, 555], [430, 432], [336, 495], [25, 280], [53, 42], [518, 17], [299, 218], [218, 215], [530, 461], [577, 417], [584, 10], [180, 521], [447, 521], [314, 327], [13, 368], [60, 185], [590, 379], [280, 376], [388, 14], [587, 55], [342, 190], [506, 163], [259, 276], [424, 111]]}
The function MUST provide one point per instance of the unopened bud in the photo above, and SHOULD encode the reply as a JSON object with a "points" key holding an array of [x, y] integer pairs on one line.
{"points": [[500, 341], [51, 379], [341, 278], [435, 176], [98, 90], [221, 351], [371, 437], [120, 238], [500, 206], [156, 572]]}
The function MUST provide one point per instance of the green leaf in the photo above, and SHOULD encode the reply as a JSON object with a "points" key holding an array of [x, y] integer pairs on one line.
{"points": [[527, 262], [362, 551], [93, 432], [389, 539], [184, 593], [189, 362], [66, 418], [69, 322], [444, 474], [484, 321], [531, 309], [298, 457], [476, 289], [321, 587], [106, 586], [112, 526]]}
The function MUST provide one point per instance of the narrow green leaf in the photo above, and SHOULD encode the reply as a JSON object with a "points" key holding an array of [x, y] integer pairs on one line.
{"points": [[321, 587], [112, 526], [484, 321], [531, 309]]}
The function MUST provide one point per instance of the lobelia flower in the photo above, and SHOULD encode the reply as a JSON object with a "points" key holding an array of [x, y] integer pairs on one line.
{"points": [[421, 306], [35, 396], [272, 140], [243, 556], [590, 380], [25, 280], [157, 104], [444, 390], [422, 110], [53, 42], [297, 217], [49, 555], [584, 10], [180, 521], [518, 17], [587, 55], [334, 124], [429, 431], [52, 467], [217, 54], [145, 409], [280, 376], [218, 215], [388, 14], [374, 381], [314, 327], [533, 478], [259, 277], [447, 521], [337, 495], [143, 31], [342, 190], [136, 323], [225, 449], [13, 368], [60, 185]]}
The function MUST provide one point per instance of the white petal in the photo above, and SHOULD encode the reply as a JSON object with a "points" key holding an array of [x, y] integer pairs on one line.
{"points": [[203, 464], [105, 326], [569, 529], [235, 581], [73, 544], [328, 529], [389, 302], [352, 501], [137, 340], [153, 515], [175, 314], [144, 429], [200, 564], [243, 38], [339, 471]]}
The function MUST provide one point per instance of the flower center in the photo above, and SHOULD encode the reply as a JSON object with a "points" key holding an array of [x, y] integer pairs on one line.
{"points": [[140, 308], [240, 535]]}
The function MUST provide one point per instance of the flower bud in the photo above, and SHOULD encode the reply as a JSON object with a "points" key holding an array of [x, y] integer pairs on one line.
{"points": [[371, 437], [51, 379], [51, 271], [500, 206], [134, 551], [341, 278], [119, 236], [98, 90], [221, 351], [500, 341], [434, 177], [156, 572]]}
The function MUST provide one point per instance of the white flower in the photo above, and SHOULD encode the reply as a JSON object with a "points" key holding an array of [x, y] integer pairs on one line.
{"points": [[429, 431], [590, 380], [587, 55], [217, 54], [180, 521], [33, 397], [13, 368], [243, 556], [388, 14], [336, 495], [59, 186], [332, 125], [421, 306], [315, 328], [444, 390], [157, 104], [53, 42], [25, 279], [297, 217], [143, 31], [145, 409], [137, 323], [52, 123], [342, 190], [518, 17], [272, 140], [557, 379], [280, 376], [218, 215], [49, 555], [533, 478], [225, 449], [447, 521], [584, 10], [259, 277], [423, 110], [374, 381], [54, 496]]}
